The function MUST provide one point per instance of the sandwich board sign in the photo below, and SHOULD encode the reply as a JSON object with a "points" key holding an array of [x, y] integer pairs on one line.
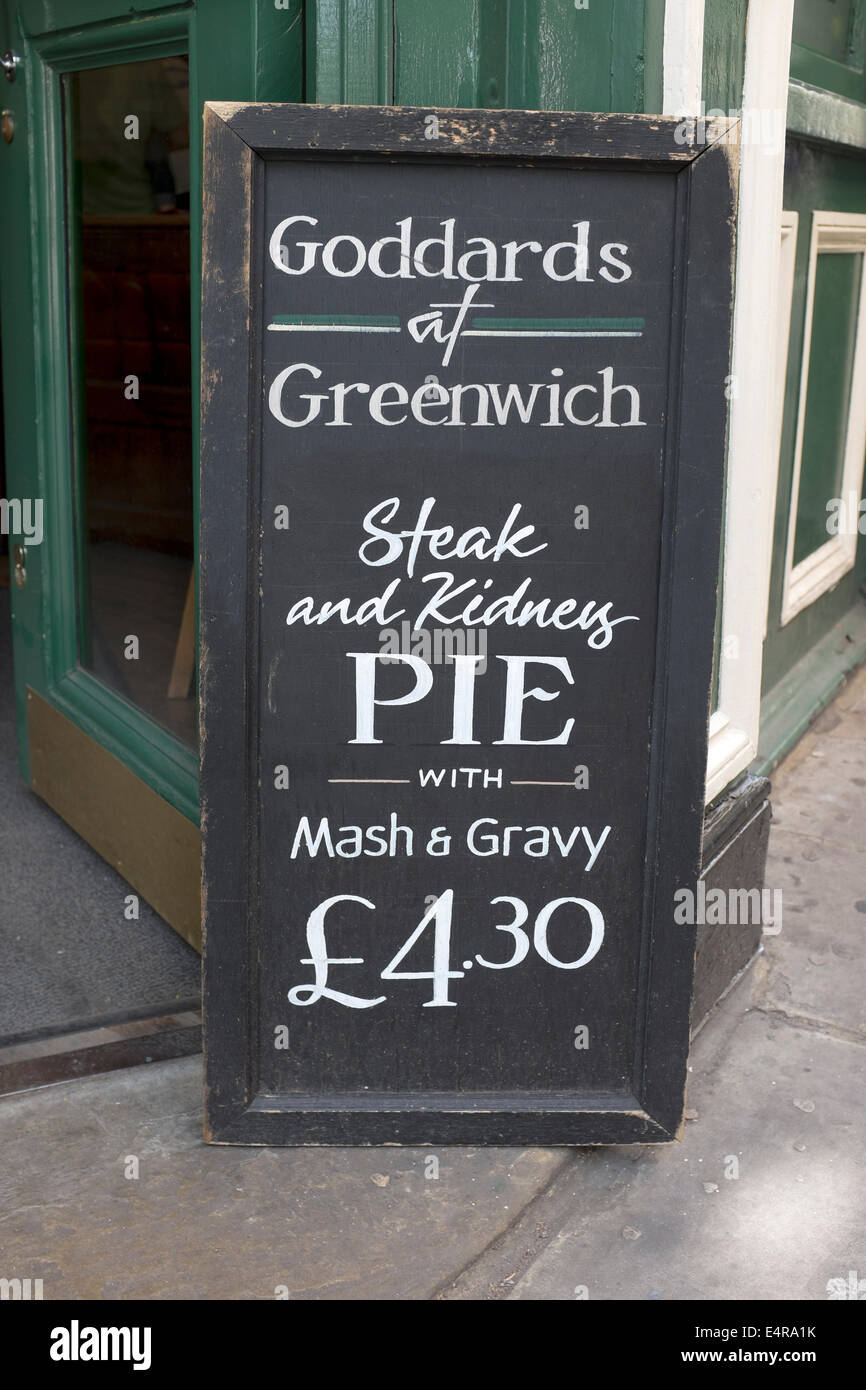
{"points": [[463, 424]]}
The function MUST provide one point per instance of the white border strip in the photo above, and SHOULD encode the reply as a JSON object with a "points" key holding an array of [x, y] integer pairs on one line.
{"points": [[752, 455], [683, 57]]}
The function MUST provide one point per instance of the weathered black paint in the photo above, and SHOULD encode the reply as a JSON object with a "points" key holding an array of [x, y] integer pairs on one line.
{"points": [[736, 836], [501, 1066]]}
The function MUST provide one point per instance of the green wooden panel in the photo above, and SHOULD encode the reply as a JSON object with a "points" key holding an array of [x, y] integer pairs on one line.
{"points": [[829, 45], [808, 687], [500, 69], [277, 51], [350, 50], [815, 177], [529, 54], [828, 395], [724, 54], [831, 28], [562, 58], [653, 56], [436, 53]]}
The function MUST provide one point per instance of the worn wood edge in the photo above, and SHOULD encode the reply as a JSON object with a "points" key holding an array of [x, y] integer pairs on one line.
{"points": [[226, 110], [437, 1118], [717, 128], [228, 163], [531, 1129], [472, 130]]}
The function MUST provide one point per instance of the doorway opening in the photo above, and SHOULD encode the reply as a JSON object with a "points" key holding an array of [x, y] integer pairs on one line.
{"points": [[93, 977]]}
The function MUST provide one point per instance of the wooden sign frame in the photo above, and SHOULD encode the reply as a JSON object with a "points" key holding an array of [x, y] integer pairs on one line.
{"points": [[239, 142]]}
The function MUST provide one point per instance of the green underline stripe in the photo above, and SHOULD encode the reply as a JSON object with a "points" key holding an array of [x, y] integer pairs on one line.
{"points": [[351, 320], [565, 325]]}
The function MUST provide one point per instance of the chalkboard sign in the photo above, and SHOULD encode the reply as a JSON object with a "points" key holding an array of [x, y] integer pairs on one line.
{"points": [[464, 401]]}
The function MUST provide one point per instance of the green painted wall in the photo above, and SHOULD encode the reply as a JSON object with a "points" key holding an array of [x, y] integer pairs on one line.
{"points": [[724, 54], [815, 177], [533, 54], [829, 46]]}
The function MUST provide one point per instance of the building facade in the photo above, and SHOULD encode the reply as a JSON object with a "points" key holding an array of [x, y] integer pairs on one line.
{"points": [[100, 258]]}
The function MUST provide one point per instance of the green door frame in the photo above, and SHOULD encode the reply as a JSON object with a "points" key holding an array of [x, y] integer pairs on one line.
{"points": [[237, 51]]}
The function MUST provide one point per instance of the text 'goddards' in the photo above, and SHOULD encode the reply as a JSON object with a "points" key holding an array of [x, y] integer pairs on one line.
{"points": [[464, 304]]}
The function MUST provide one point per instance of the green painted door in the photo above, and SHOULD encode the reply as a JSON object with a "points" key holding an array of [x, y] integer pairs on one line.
{"points": [[100, 267]]}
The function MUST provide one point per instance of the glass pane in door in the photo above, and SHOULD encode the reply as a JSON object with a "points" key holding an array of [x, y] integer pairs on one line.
{"points": [[128, 141], [828, 394]]}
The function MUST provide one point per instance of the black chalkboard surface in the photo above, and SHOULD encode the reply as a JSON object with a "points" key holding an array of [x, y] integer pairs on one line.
{"points": [[463, 417]]}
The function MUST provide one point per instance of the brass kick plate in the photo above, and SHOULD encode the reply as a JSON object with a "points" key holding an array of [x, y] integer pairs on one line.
{"points": [[148, 842]]}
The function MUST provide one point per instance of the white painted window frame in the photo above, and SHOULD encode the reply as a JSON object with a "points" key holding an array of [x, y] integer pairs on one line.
{"points": [[683, 58], [832, 233], [752, 430]]}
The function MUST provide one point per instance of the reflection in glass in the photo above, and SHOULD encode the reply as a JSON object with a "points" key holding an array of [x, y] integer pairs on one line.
{"points": [[129, 246], [828, 394]]}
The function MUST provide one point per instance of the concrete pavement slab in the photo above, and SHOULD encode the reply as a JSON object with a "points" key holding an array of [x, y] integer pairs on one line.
{"points": [[764, 1198], [233, 1223]]}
